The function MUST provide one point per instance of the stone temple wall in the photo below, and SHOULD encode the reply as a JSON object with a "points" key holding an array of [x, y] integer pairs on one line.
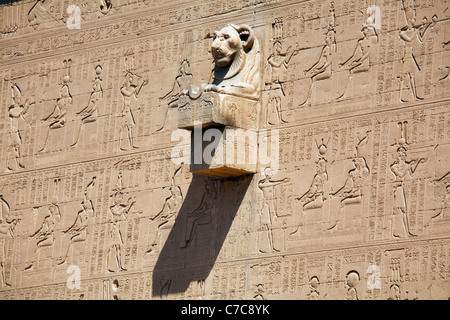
{"points": [[97, 196]]}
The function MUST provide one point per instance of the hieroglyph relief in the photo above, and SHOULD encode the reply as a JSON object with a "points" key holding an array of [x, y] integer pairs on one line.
{"points": [[131, 88], [90, 112], [267, 239], [408, 35], [16, 112], [78, 230], [45, 235], [401, 168], [7, 227], [354, 203], [279, 63], [57, 118], [119, 210]]}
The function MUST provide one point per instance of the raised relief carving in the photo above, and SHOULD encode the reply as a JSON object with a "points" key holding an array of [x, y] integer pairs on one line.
{"points": [[165, 218], [400, 168], [131, 88], [268, 214], [279, 62], [202, 214], [349, 169], [181, 83], [90, 112], [57, 119], [442, 212], [78, 230], [322, 69], [7, 228], [314, 197], [409, 34], [119, 211], [360, 61], [16, 112], [45, 235], [351, 191]]}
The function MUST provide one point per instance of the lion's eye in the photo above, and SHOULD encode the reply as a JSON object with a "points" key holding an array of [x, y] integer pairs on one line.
{"points": [[226, 36]]}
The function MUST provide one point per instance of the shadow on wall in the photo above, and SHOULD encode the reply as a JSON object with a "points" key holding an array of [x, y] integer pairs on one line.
{"points": [[6, 2], [200, 229]]}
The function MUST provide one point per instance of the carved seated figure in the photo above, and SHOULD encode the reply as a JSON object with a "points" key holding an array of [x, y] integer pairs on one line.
{"points": [[233, 96]]}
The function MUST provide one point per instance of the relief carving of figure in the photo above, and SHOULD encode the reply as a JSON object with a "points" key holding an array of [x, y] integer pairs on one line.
{"points": [[119, 212], [7, 227], [78, 230], [57, 118], [443, 210], [45, 235], [90, 112], [166, 217], [409, 34], [131, 88], [400, 167], [202, 214], [314, 197], [182, 82], [268, 214], [351, 191], [360, 59], [16, 112], [322, 69], [279, 62]]}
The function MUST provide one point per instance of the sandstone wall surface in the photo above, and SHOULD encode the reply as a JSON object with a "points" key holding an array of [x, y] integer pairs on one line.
{"points": [[356, 206]]}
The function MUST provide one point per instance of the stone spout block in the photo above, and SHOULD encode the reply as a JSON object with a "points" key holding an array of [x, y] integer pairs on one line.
{"points": [[224, 151], [216, 109]]}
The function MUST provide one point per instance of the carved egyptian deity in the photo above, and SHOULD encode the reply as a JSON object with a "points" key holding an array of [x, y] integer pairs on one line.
{"points": [[322, 69], [166, 217], [202, 214], [408, 35], [90, 112], [57, 118], [78, 230], [237, 59], [360, 59], [131, 88], [268, 213], [400, 167], [7, 228], [182, 82], [445, 204], [351, 191], [16, 112], [278, 61], [45, 234], [119, 211], [314, 197]]}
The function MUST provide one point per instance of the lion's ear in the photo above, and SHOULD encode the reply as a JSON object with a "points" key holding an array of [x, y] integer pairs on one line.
{"points": [[247, 36]]}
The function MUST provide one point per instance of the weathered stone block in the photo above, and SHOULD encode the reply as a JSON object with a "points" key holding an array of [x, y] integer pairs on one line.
{"points": [[223, 152], [213, 109]]}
